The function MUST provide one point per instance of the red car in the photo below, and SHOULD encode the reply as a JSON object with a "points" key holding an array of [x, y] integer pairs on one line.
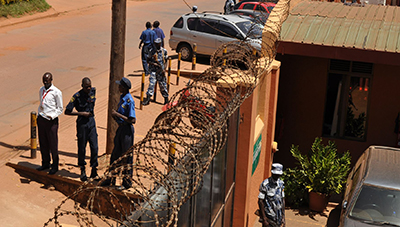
{"points": [[259, 6]]}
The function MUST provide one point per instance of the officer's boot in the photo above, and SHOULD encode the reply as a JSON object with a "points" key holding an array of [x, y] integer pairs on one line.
{"points": [[165, 100], [146, 100], [83, 176], [93, 174]]}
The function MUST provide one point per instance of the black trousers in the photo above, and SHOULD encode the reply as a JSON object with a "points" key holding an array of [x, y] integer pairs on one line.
{"points": [[123, 140], [86, 132], [48, 141]]}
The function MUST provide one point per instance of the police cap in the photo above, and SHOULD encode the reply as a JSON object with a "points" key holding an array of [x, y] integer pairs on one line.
{"points": [[124, 82]]}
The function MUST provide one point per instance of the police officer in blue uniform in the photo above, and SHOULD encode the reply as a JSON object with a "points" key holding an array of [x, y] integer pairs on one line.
{"points": [[147, 40], [157, 60], [125, 116], [83, 101]]}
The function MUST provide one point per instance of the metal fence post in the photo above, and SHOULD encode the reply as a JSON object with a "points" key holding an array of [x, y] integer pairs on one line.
{"points": [[33, 134], [142, 91], [194, 56], [169, 73], [178, 73]]}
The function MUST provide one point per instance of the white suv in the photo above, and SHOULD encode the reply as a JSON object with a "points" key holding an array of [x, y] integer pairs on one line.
{"points": [[210, 30]]}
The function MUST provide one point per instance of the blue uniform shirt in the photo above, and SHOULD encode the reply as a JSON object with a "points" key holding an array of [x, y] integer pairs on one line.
{"points": [[83, 103], [159, 32], [148, 36], [126, 107]]}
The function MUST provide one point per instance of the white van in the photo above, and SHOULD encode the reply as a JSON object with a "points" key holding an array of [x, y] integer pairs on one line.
{"points": [[211, 30]]}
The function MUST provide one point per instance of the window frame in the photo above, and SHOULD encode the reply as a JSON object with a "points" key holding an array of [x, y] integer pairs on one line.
{"points": [[344, 100]]}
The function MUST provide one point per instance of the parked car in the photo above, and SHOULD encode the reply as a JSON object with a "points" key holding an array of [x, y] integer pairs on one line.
{"points": [[273, 1], [211, 30], [372, 196], [254, 5], [255, 16]]}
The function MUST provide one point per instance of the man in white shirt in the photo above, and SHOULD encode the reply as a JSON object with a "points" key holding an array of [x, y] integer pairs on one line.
{"points": [[51, 106]]}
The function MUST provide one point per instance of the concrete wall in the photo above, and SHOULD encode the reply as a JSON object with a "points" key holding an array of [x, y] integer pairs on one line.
{"points": [[301, 102]]}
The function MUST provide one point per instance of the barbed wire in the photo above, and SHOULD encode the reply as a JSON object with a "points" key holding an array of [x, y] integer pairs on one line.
{"points": [[195, 127]]}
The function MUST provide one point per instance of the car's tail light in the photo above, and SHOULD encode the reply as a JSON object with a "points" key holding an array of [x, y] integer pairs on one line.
{"points": [[171, 33]]}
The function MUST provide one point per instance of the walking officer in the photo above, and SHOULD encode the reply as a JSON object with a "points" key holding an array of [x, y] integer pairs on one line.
{"points": [[147, 40], [83, 101], [157, 63]]}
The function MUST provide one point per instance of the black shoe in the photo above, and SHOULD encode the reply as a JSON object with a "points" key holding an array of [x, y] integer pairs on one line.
{"points": [[83, 176], [41, 168], [146, 100], [53, 171], [165, 100], [94, 174]]}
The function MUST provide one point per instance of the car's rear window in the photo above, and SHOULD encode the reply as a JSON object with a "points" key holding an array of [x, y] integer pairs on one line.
{"points": [[179, 23]]}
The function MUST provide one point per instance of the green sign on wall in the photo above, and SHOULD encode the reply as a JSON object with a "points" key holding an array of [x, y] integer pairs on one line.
{"points": [[256, 154]]}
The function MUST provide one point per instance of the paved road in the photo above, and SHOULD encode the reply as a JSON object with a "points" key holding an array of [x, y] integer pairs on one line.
{"points": [[72, 45]]}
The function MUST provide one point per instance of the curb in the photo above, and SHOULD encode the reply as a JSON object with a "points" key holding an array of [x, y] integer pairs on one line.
{"points": [[41, 15], [25, 19]]}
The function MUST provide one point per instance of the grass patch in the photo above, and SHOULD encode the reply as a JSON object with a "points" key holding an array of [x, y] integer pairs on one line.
{"points": [[18, 9]]}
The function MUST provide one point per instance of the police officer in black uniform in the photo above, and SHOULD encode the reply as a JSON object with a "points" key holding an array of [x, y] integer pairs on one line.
{"points": [[83, 101]]}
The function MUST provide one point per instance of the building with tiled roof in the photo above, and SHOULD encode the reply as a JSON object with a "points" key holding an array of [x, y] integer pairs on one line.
{"points": [[339, 77]]}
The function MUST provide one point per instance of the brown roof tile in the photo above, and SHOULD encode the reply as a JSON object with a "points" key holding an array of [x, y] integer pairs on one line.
{"points": [[371, 27]]}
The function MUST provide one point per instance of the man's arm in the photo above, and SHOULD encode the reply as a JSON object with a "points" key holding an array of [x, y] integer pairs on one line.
{"points": [[69, 110], [125, 118], [140, 44], [59, 105], [263, 216], [77, 113]]}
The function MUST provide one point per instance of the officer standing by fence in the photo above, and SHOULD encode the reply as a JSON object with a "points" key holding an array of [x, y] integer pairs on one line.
{"points": [[83, 101], [157, 63], [125, 116]]}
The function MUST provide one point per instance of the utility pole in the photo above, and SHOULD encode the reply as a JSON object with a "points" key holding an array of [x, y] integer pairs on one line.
{"points": [[117, 62]]}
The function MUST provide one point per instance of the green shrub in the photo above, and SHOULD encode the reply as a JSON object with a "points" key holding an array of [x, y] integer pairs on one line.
{"points": [[19, 8], [4, 2], [325, 170], [296, 193]]}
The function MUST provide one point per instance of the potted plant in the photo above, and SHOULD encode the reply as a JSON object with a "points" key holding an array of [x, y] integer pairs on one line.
{"points": [[324, 170]]}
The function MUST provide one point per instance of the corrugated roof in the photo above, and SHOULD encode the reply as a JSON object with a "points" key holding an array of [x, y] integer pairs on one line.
{"points": [[369, 27]]}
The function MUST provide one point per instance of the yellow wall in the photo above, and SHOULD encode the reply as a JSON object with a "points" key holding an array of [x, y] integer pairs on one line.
{"points": [[257, 117]]}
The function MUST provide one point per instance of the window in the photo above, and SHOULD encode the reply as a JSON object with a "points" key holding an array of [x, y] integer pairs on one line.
{"points": [[192, 22], [179, 23], [260, 8], [227, 30], [347, 99], [208, 26], [248, 6]]}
